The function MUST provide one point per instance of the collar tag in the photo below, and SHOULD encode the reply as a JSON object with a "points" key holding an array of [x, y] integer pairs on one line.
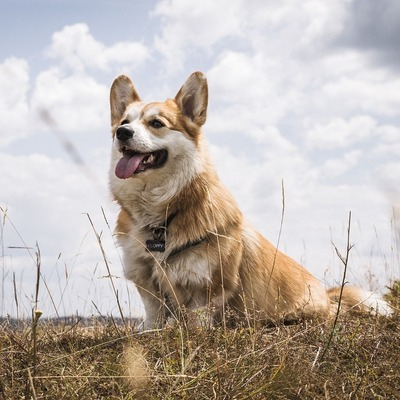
{"points": [[160, 233], [155, 245]]}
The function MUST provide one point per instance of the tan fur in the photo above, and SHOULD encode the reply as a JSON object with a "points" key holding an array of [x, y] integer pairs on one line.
{"points": [[234, 265]]}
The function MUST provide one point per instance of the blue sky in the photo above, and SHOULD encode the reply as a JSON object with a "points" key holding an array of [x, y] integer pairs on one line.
{"points": [[307, 94]]}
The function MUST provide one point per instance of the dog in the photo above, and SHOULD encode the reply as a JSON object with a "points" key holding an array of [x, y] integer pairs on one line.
{"points": [[186, 244]]}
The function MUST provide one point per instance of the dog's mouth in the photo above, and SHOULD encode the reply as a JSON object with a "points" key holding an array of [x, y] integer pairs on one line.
{"points": [[133, 162]]}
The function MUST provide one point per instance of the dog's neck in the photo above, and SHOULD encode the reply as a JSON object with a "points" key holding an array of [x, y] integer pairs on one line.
{"points": [[198, 194]]}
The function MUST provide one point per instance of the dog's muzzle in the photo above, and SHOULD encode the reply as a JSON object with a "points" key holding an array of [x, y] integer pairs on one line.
{"points": [[134, 161], [124, 133]]}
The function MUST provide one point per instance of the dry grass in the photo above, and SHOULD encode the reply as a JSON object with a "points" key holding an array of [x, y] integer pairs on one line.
{"points": [[346, 358], [110, 361]]}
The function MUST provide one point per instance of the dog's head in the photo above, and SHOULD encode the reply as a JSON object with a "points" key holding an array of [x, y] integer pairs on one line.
{"points": [[150, 137]]}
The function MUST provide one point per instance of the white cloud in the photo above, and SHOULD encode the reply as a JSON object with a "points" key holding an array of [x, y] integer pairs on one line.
{"points": [[339, 133], [76, 103], [187, 26], [389, 175], [388, 142], [53, 185], [335, 167], [46, 201], [390, 133], [240, 77], [77, 49], [14, 107], [368, 96], [324, 21], [284, 29], [250, 101], [74, 99]]}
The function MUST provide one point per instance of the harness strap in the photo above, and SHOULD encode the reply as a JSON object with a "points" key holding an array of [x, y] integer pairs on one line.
{"points": [[186, 246], [159, 237]]}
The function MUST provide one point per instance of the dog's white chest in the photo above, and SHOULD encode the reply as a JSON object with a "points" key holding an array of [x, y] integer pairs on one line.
{"points": [[190, 268]]}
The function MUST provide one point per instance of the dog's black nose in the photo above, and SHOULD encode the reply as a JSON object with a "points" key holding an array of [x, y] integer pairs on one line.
{"points": [[124, 133]]}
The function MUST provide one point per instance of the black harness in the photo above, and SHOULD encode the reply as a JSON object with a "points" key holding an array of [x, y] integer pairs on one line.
{"points": [[157, 244]]}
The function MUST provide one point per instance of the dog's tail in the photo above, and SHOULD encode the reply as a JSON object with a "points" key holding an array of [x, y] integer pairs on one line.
{"points": [[357, 300]]}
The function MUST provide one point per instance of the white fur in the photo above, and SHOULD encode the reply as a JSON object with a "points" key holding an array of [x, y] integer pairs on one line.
{"points": [[183, 164], [375, 303], [190, 269]]}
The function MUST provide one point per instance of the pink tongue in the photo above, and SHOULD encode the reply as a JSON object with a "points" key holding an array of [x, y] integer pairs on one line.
{"points": [[127, 165]]}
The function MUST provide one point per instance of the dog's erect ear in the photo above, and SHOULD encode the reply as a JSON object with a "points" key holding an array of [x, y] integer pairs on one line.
{"points": [[122, 94], [192, 98]]}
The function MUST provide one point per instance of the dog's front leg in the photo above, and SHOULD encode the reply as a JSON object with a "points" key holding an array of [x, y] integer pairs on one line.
{"points": [[155, 307], [203, 309]]}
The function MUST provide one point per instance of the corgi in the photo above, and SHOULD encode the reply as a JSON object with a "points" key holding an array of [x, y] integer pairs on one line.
{"points": [[186, 245]]}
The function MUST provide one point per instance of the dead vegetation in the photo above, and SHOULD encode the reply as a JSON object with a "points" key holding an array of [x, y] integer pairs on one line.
{"points": [[348, 357], [112, 361]]}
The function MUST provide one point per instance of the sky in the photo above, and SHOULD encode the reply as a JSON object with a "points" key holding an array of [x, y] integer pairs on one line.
{"points": [[303, 122]]}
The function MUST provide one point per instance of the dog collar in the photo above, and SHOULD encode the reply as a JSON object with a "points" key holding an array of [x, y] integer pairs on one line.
{"points": [[159, 237], [186, 246]]}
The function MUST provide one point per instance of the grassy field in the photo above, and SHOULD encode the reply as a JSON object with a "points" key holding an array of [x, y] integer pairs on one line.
{"points": [[356, 358], [351, 357]]}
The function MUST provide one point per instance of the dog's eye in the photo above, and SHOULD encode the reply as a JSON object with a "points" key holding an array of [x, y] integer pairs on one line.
{"points": [[124, 122], [155, 123]]}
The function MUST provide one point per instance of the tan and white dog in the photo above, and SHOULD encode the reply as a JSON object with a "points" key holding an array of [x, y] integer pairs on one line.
{"points": [[186, 244]]}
